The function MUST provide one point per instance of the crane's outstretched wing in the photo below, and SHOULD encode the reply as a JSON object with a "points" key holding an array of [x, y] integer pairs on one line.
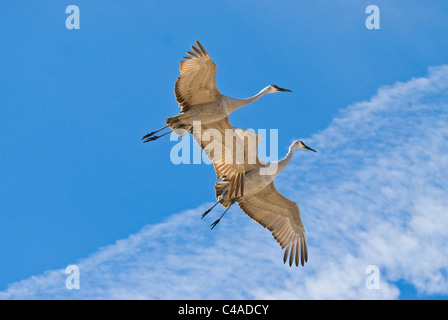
{"points": [[282, 217], [233, 151], [197, 81]]}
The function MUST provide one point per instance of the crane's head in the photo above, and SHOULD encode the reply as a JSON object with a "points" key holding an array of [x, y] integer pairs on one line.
{"points": [[273, 89], [300, 145]]}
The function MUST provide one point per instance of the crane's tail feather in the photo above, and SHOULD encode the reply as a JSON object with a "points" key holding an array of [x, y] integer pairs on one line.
{"points": [[177, 123], [221, 191]]}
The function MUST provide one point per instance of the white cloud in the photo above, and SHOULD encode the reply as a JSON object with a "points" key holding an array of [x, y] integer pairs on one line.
{"points": [[374, 194]]}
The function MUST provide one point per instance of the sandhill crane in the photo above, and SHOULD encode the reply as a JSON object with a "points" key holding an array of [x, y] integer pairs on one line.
{"points": [[199, 97], [263, 203]]}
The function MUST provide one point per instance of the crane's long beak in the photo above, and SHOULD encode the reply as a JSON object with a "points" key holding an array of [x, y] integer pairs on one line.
{"points": [[311, 149], [281, 89]]}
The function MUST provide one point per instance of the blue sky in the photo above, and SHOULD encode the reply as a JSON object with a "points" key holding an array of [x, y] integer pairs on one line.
{"points": [[75, 177]]}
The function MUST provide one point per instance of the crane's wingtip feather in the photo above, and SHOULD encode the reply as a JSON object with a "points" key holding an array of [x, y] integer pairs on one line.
{"points": [[199, 52], [201, 47], [192, 54]]}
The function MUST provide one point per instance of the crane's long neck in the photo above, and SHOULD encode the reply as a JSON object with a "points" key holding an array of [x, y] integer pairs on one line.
{"points": [[281, 164], [235, 104]]}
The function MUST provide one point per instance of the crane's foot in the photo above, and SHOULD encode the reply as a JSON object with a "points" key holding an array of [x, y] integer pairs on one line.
{"points": [[205, 213], [156, 137], [151, 139], [215, 223], [148, 135]]}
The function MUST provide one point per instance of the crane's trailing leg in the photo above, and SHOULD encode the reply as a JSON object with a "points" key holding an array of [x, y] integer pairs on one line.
{"points": [[206, 212], [156, 137], [153, 133], [217, 221]]}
